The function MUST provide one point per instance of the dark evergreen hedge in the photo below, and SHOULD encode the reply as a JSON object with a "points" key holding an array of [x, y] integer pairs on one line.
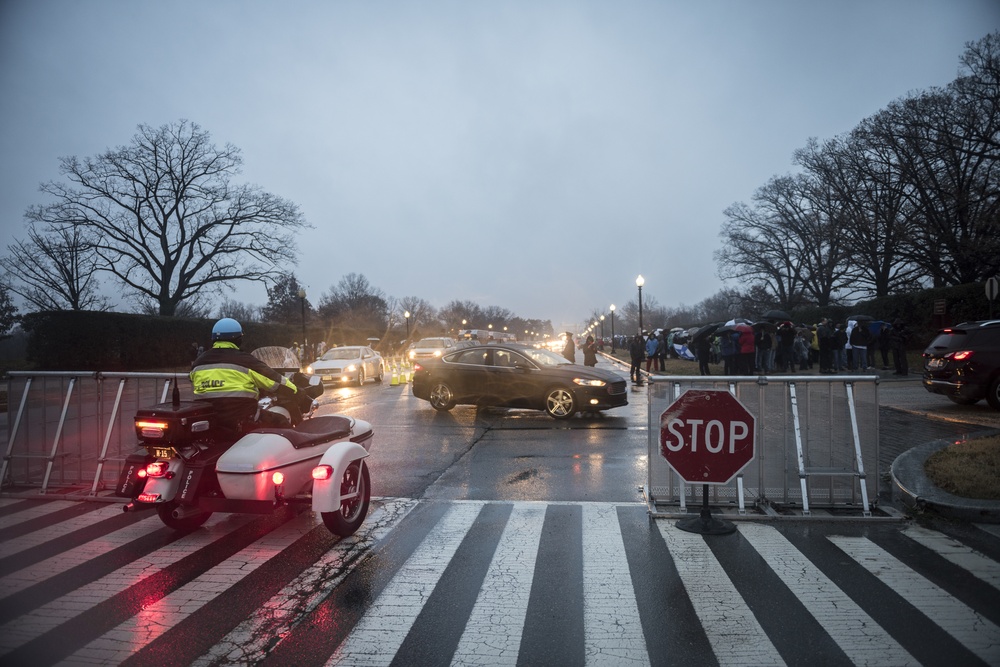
{"points": [[83, 340], [962, 303]]}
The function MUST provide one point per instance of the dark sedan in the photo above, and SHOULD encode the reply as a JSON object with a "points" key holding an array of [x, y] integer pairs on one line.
{"points": [[517, 376], [963, 363]]}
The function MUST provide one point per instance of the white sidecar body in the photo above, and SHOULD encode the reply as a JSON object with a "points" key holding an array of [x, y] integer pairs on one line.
{"points": [[247, 470]]}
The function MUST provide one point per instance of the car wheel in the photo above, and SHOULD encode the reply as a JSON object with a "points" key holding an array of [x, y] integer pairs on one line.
{"points": [[442, 397], [361, 376], [993, 395], [380, 374], [963, 400], [352, 512], [559, 403]]}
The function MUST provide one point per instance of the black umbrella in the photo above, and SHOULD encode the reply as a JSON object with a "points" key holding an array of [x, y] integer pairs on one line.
{"points": [[776, 315], [706, 330], [861, 318]]}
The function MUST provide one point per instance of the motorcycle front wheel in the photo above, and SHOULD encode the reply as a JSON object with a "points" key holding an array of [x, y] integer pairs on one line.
{"points": [[190, 522], [353, 510]]}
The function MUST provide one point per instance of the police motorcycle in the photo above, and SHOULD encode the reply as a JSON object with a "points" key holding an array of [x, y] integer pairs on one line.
{"points": [[185, 472]]}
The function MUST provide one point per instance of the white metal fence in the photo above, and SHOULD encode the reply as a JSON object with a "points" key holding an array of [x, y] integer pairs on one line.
{"points": [[68, 429], [817, 443]]}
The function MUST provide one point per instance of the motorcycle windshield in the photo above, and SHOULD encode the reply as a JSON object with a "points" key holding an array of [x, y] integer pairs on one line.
{"points": [[277, 357]]}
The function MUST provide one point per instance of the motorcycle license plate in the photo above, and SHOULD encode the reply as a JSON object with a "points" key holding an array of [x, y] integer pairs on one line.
{"points": [[161, 453]]}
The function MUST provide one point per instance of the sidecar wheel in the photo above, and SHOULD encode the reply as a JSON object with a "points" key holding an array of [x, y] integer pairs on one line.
{"points": [[187, 523], [353, 510]]}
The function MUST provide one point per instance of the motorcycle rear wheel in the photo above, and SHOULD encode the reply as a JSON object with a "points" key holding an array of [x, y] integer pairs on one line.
{"points": [[187, 523], [352, 512]]}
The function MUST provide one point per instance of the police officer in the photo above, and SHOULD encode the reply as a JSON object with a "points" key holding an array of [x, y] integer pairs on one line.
{"points": [[231, 379]]}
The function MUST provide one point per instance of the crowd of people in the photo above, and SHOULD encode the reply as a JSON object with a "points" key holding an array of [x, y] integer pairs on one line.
{"points": [[768, 347]]}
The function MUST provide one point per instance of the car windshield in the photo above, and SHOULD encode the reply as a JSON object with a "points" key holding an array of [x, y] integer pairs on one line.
{"points": [[434, 342], [342, 353], [544, 357]]}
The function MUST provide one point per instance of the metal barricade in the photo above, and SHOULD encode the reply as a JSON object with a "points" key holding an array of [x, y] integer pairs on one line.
{"points": [[817, 443], [64, 427]]}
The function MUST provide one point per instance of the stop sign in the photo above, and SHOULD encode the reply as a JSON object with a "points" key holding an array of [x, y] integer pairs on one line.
{"points": [[707, 436]]}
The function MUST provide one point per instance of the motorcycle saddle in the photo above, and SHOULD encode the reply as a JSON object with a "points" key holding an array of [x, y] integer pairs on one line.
{"points": [[315, 431]]}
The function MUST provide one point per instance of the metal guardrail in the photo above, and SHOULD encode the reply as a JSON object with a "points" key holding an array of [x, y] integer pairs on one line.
{"points": [[64, 427], [817, 443]]}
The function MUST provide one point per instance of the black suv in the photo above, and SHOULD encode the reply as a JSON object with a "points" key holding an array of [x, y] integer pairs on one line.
{"points": [[963, 363]]}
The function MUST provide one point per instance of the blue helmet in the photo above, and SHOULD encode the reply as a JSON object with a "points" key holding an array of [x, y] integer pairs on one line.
{"points": [[228, 329]]}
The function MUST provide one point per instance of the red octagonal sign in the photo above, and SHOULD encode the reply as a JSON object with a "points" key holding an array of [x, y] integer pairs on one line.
{"points": [[707, 436]]}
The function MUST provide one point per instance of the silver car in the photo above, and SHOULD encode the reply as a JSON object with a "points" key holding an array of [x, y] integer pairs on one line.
{"points": [[351, 364], [430, 348]]}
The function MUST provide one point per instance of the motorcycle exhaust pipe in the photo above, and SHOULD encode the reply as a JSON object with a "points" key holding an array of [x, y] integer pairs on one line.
{"points": [[132, 507], [184, 511]]}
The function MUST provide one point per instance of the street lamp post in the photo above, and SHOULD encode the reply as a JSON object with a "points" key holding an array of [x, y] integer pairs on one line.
{"points": [[612, 328], [406, 314], [302, 300], [640, 281]]}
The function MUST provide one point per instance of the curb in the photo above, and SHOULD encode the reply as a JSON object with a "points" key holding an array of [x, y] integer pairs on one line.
{"points": [[913, 488]]}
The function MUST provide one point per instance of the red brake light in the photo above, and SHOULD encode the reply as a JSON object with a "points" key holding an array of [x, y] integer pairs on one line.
{"points": [[961, 355], [417, 366], [157, 469], [322, 472]]}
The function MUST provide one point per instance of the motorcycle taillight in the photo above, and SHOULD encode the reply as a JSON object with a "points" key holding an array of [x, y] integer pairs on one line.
{"points": [[158, 469], [155, 430]]}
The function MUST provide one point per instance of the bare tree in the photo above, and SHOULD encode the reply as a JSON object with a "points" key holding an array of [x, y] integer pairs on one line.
{"points": [[8, 312], [876, 216], [165, 219], [759, 250], [54, 271]]}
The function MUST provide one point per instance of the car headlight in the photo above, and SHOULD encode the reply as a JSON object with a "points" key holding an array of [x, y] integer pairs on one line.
{"points": [[589, 383], [309, 370], [412, 354], [351, 368]]}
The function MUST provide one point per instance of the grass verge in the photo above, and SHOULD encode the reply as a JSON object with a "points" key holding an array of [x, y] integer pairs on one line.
{"points": [[969, 469]]}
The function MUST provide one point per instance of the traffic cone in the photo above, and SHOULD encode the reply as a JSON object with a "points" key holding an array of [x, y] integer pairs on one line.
{"points": [[394, 379]]}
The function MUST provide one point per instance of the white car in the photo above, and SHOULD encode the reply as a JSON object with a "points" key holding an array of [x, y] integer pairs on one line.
{"points": [[349, 364], [430, 348]]}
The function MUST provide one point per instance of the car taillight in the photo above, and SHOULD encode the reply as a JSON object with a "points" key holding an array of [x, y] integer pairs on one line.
{"points": [[322, 472], [157, 469], [417, 366], [961, 355]]}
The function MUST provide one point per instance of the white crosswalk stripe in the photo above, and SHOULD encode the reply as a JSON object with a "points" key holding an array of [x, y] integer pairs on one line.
{"points": [[39, 510], [492, 634], [419, 541], [732, 629], [377, 638], [855, 632], [961, 622], [958, 553]]}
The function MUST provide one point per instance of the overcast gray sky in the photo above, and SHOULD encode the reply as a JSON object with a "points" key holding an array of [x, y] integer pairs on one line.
{"points": [[535, 156]]}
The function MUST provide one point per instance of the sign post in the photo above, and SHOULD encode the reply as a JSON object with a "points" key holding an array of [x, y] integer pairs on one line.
{"points": [[707, 437]]}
